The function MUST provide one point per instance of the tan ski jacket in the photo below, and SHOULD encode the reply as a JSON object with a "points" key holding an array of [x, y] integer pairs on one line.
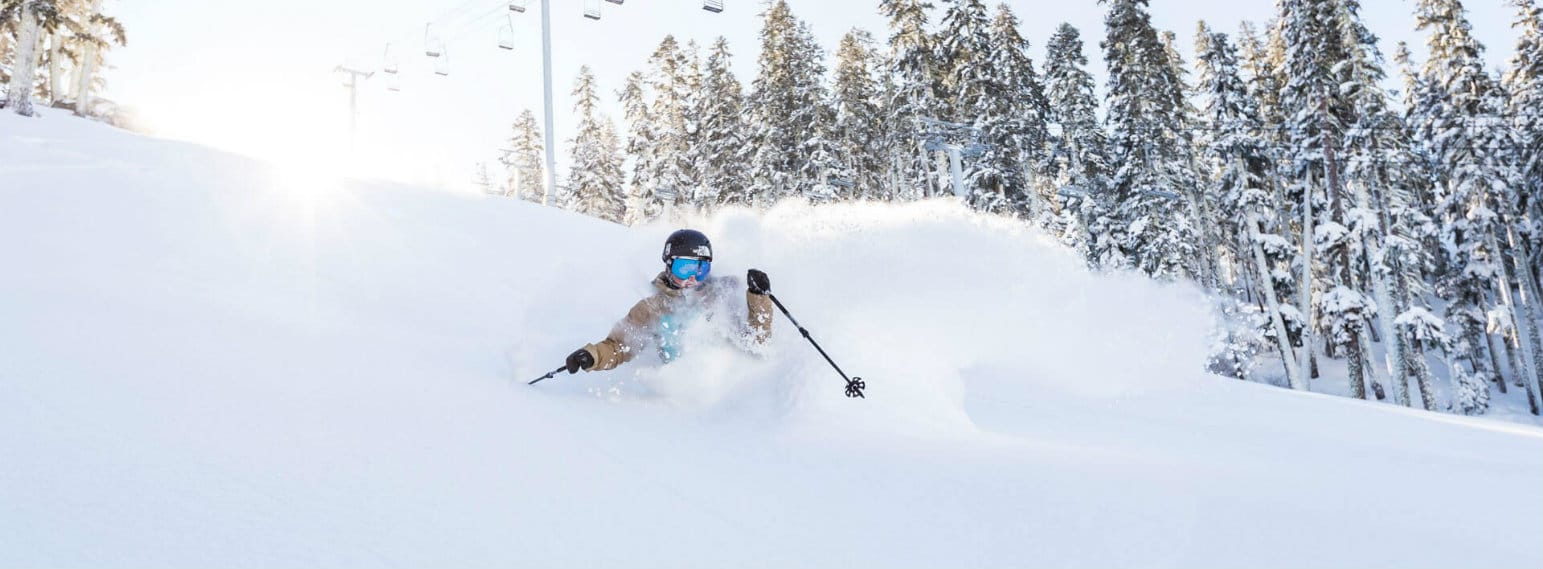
{"points": [[653, 320]]}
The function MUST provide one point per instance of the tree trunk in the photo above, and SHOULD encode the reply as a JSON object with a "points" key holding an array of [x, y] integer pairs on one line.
{"points": [[1354, 360], [1208, 267], [1525, 317], [1415, 357], [19, 98], [55, 70], [1262, 266], [1379, 271], [1422, 376], [88, 65], [87, 73], [1522, 318], [1494, 359], [1308, 363]]}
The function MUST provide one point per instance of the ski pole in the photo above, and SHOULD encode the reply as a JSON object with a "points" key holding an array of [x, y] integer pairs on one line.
{"points": [[548, 374], [855, 384]]}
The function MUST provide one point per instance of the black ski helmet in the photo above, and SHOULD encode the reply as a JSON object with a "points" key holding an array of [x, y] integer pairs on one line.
{"points": [[687, 243]]}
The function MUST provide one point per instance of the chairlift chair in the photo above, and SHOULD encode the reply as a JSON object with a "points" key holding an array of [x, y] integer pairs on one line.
{"points": [[517, 6], [394, 82], [506, 36], [714, 6], [617, 2], [433, 46], [592, 9], [442, 64], [388, 61]]}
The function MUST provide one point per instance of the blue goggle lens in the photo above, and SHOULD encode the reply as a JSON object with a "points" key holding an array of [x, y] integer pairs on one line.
{"points": [[684, 268]]}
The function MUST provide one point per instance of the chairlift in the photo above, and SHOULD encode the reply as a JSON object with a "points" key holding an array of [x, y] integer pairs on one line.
{"points": [[592, 9], [714, 6], [433, 46], [388, 61], [616, 2], [442, 64], [517, 6], [506, 35]]}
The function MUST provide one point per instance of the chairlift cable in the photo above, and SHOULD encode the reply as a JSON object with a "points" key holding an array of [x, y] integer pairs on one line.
{"points": [[449, 16], [445, 20], [471, 25]]}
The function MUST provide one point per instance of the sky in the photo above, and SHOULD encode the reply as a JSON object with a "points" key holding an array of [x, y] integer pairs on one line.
{"points": [[261, 81]]}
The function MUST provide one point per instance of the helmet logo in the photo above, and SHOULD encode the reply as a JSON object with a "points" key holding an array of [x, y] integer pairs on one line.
{"points": [[702, 251]]}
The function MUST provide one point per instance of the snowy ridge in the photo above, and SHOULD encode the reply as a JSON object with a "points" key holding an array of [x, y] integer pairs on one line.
{"points": [[207, 361]]}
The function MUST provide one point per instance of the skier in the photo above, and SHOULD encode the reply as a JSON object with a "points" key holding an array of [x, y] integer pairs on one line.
{"points": [[683, 291]]}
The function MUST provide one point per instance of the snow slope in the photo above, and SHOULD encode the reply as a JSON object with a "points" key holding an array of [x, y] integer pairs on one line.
{"points": [[208, 362]]}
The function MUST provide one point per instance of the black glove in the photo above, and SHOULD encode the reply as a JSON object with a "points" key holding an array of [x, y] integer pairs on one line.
{"points": [[757, 282], [580, 360]]}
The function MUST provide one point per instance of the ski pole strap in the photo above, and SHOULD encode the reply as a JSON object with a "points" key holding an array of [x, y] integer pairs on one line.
{"points": [[855, 385]]}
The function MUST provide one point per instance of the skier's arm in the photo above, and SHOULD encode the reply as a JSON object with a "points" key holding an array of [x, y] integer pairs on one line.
{"points": [[758, 306], [625, 339]]}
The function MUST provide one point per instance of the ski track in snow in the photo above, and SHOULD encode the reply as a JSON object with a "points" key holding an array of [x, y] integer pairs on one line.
{"points": [[205, 361]]}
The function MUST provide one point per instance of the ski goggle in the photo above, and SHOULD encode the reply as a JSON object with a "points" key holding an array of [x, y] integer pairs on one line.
{"points": [[685, 267]]}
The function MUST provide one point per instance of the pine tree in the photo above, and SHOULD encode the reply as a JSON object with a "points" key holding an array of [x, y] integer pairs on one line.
{"points": [[79, 35], [790, 116], [32, 15], [1414, 239], [1263, 65], [722, 136], [815, 120], [610, 173], [1389, 224], [858, 122], [526, 177], [484, 181], [1316, 118], [643, 204], [697, 193], [1012, 116], [1472, 187], [1078, 155], [912, 94], [594, 180], [1149, 145], [961, 55], [973, 95], [1200, 203], [1524, 83], [771, 102], [1239, 164], [1262, 73], [674, 174]]}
